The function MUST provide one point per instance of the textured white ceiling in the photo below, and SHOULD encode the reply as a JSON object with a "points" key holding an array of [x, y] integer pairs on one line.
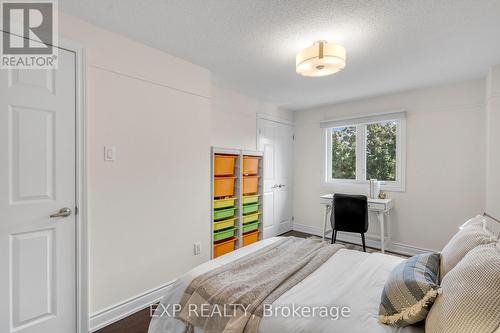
{"points": [[250, 45]]}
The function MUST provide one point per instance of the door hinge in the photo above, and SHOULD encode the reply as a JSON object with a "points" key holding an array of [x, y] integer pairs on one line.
{"points": [[76, 210], [293, 218], [293, 137]]}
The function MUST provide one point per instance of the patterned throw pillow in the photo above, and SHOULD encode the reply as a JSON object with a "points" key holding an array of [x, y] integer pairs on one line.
{"points": [[470, 298], [473, 233], [410, 290]]}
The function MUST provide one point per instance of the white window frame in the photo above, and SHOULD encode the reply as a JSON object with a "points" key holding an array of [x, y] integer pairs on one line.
{"points": [[399, 185]]}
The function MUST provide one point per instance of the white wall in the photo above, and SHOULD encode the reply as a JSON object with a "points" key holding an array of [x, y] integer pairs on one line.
{"points": [[148, 208], [493, 142], [234, 118], [445, 181]]}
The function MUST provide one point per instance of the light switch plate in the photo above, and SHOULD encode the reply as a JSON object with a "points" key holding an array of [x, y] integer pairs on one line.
{"points": [[197, 249], [109, 153]]}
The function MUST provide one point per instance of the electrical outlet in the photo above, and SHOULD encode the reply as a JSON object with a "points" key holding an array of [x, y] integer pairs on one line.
{"points": [[109, 153], [197, 249]]}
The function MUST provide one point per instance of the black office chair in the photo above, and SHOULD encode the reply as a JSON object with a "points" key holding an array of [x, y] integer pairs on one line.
{"points": [[350, 213]]}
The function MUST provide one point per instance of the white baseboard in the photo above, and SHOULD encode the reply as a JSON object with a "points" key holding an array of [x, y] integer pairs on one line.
{"points": [[371, 240], [124, 309]]}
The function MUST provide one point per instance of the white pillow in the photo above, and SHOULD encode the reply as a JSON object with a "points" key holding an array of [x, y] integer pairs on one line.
{"points": [[472, 233], [470, 295]]}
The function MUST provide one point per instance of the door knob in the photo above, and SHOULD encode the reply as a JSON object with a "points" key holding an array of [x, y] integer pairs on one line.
{"points": [[63, 212], [275, 186]]}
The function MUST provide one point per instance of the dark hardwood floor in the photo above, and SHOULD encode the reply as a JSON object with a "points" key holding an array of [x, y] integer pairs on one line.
{"points": [[136, 323], [139, 321]]}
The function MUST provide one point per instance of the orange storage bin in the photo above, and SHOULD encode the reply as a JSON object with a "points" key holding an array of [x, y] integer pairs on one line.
{"points": [[225, 246], [223, 187], [250, 237], [250, 184], [250, 165], [224, 165]]}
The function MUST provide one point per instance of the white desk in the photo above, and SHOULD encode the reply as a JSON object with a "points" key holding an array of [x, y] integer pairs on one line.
{"points": [[380, 206]]}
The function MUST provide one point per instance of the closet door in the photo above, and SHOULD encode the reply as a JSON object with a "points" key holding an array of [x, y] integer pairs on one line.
{"points": [[275, 139]]}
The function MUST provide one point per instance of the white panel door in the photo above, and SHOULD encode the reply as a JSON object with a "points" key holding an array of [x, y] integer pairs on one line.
{"points": [[276, 141], [37, 179]]}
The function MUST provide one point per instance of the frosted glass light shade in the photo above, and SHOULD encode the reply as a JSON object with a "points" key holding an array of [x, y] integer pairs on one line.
{"points": [[320, 59]]}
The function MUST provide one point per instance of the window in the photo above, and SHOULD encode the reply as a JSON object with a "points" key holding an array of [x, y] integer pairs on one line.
{"points": [[361, 149]]}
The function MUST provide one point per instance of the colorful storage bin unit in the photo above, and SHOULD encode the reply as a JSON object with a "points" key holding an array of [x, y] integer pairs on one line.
{"points": [[224, 205], [237, 199]]}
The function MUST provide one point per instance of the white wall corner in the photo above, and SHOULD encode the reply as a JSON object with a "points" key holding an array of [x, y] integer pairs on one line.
{"points": [[493, 82], [493, 141]]}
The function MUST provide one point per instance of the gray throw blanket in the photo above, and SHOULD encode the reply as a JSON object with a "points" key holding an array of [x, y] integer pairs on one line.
{"points": [[248, 283]]}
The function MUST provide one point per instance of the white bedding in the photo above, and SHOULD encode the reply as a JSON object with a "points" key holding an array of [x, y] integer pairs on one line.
{"points": [[349, 278]]}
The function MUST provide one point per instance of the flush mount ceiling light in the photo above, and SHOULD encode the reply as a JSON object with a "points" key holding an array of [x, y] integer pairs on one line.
{"points": [[320, 59]]}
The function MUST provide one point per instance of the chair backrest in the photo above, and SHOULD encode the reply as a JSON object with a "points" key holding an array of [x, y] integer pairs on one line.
{"points": [[350, 213]]}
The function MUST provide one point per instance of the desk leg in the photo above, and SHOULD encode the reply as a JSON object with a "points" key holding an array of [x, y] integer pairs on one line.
{"points": [[325, 220], [381, 219]]}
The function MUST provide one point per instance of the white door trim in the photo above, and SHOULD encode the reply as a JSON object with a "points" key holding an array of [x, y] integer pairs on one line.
{"points": [[282, 121], [270, 118], [82, 278]]}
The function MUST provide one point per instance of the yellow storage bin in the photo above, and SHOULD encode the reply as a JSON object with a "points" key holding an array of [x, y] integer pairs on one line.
{"points": [[219, 225], [224, 203], [249, 199], [224, 165], [250, 218]]}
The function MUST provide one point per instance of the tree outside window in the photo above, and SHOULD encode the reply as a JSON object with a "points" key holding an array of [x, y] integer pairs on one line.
{"points": [[364, 151], [344, 153], [381, 151]]}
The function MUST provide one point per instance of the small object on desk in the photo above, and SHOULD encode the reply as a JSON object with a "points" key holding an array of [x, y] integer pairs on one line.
{"points": [[382, 195], [374, 188]]}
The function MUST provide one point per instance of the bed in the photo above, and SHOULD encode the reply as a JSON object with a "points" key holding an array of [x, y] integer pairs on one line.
{"points": [[348, 278]]}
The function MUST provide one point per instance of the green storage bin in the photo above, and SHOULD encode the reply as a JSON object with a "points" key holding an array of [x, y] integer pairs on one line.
{"points": [[223, 224], [250, 218], [220, 214], [223, 234], [248, 209], [224, 203], [250, 199], [250, 227]]}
